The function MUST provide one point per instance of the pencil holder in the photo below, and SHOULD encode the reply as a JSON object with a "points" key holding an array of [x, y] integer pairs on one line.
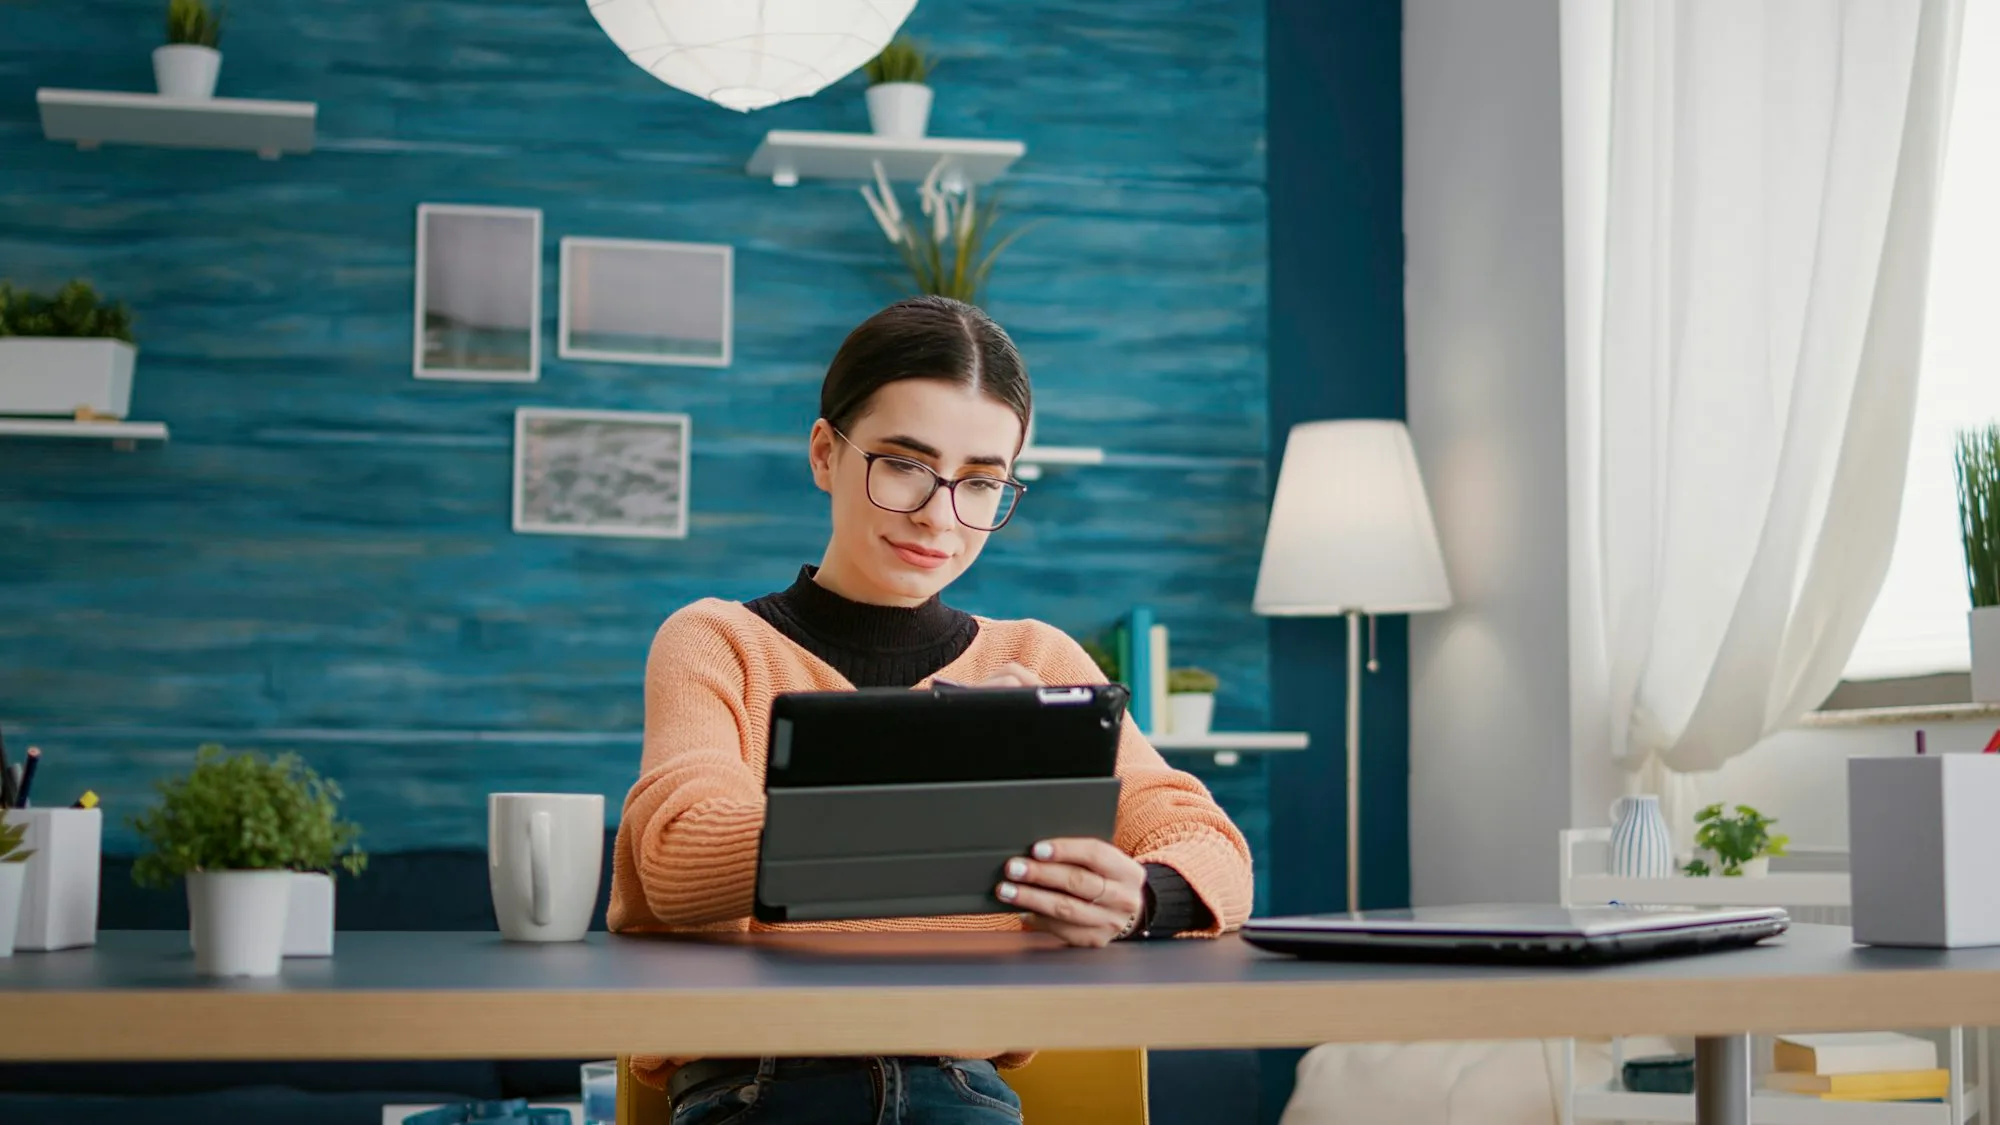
{"points": [[59, 901], [1922, 836]]}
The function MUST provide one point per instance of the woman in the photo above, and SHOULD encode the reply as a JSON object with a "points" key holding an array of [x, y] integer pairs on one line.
{"points": [[921, 416]]}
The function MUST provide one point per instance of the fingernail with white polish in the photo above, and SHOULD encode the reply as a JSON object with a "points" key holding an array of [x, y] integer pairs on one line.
{"points": [[1043, 851], [1007, 891], [1016, 869]]}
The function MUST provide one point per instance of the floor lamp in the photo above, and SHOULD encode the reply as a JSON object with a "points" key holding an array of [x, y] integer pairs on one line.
{"points": [[1351, 536]]}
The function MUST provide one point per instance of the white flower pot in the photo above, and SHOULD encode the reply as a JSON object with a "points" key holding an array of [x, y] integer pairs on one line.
{"points": [[184, 70], [1985, 626], [309, 915], [899, 109], [1190, 712], [13, 877], [236, 921], [54, 376], [1757, 868]]}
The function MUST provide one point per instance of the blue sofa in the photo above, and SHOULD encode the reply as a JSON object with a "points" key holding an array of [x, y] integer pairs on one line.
{"points": [[419, 890]]}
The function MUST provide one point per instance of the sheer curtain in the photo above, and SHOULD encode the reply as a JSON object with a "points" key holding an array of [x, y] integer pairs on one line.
{"points": [[1749, 193]]}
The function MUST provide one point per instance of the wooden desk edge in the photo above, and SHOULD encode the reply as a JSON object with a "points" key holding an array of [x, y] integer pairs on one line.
{"points": [[187, 1024]]}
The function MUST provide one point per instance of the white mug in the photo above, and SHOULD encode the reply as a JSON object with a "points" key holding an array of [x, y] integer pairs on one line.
{"points": [[544, 856]]}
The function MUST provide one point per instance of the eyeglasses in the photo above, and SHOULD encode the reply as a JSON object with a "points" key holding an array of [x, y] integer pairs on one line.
{"points": [[898, 484]]}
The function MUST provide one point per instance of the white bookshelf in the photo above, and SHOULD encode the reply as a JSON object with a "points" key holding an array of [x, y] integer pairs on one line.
{"points": [[90, 118], [788, 156], [1770, 1107], [122, 435], [1230, 746], [1034, 458]]}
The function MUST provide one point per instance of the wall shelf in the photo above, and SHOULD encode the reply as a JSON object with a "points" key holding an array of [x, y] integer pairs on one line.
{"points": [[1768, 1107], [122, 435], [1230, 746], [94, 117], [1034, 458], [787, 156]]}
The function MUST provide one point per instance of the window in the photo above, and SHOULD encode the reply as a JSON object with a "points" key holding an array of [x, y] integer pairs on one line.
{"points": [[1918, 624]]}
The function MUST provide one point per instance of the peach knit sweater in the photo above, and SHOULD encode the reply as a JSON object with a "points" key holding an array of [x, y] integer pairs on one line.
{"points": [[686, 857]]}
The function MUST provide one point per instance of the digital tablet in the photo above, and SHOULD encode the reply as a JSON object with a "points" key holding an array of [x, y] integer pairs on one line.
{"points": [[885, 803]]}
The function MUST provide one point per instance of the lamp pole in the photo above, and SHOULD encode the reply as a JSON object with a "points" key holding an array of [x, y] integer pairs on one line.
{"points": [[1353, 760]]}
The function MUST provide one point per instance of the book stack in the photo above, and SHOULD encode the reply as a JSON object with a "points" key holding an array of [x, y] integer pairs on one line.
{"points": [[1862, 1066], [1140, 648]]}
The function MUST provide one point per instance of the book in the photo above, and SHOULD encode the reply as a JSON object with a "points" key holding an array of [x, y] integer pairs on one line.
{"points": [[1895, 1085], [1158, 688], [1853, 1052], [1139, 673]]}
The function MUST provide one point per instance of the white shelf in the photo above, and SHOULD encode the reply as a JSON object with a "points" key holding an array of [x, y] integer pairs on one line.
{"points": [[94, 117], [1803, 889], [1035, 458], [1768, 1107], [122, 434], [1230, 746], [787, 156]]}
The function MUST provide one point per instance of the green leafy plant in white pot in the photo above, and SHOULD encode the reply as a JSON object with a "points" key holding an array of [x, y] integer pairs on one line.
{"points": [[1190, 700], [13, 878], [899, 93], [187, 64], [1979, 518], [1739, 843], [237, 827], [66, 354]]}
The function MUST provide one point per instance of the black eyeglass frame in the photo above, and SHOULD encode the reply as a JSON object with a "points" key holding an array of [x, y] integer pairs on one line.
{"points": [[937, 482]]}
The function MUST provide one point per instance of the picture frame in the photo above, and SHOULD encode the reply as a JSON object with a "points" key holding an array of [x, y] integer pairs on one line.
{"points": [[478, 300], [637, 301], [617, 473]]}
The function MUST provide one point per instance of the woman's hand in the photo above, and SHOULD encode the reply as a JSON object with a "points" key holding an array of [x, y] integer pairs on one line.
{"points": [[1083, 891], [1011, 675]]}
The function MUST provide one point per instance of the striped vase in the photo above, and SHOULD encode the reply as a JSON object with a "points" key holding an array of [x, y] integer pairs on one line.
{"points": [[1641, 846]]}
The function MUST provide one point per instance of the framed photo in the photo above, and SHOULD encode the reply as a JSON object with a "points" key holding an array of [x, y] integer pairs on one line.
{"points": [[600, 472], [479, 293], [629, 301]]}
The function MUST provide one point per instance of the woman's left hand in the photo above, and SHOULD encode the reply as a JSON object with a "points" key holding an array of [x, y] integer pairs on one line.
{"points": [[1084, 891]]}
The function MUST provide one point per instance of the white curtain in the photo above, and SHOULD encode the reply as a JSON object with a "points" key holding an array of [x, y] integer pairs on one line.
{"points": [[1749, 190]]}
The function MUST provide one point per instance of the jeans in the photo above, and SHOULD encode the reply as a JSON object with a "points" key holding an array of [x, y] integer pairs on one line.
{"points": [[857, 1091]]}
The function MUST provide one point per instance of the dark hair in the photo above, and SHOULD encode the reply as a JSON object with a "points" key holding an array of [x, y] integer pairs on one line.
{"points": [[924, 338]]}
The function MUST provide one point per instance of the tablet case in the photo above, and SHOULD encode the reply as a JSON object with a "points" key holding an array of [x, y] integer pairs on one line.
{"points": [[906, 803]]}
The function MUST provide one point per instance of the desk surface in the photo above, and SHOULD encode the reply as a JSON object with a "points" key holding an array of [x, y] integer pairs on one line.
{"points": [[458, 995]]}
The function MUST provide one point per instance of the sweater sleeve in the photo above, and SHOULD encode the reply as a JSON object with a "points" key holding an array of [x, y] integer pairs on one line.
{"points": [[1166, 816], [695, 814]]}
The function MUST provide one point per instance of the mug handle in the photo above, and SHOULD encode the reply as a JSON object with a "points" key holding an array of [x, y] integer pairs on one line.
{"points": [[541, 833]]}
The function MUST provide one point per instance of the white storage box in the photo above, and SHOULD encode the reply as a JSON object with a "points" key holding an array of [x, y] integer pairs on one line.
{"points": [[1923, 832], [59, 905], [46, 375]]}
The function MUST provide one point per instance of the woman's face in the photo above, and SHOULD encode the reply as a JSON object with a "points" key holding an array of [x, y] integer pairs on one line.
{"points": [[903, 558]]}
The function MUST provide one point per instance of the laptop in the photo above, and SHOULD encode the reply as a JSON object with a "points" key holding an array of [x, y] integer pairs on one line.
{"points": [[1517, 933]]}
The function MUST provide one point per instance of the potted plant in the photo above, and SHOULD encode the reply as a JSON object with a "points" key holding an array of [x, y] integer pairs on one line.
{"points": [[1740, 845], [945, 250], [1979, 518], [69, 354], [186, 66], [1190, 700], [13, 877], [237, 827], [899, 99]]}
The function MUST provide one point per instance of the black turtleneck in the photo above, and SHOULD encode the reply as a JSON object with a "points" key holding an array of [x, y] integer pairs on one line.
{"points": [[893, 646]]}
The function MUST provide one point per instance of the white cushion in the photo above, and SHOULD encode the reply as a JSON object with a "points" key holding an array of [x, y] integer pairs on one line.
{"points": [[1452, 1083]]}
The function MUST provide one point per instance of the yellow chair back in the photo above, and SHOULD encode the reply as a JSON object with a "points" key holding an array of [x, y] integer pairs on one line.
{"points": [[1056, 1088]]}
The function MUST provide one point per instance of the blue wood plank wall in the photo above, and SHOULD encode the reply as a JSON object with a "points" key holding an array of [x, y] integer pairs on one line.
{"points": [[321, 558]]}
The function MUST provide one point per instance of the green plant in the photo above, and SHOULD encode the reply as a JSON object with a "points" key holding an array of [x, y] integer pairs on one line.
{"points": [[946, 252], [194, 23], [73, 311], [11, 836], [901, 61], [1191, 681], [1104, 658], [244, 812], [1734, 840], [1979, 512]]}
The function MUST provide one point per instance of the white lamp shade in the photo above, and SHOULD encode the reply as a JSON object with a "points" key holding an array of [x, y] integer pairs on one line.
{"points": [[749, 54], [1351, 526]]}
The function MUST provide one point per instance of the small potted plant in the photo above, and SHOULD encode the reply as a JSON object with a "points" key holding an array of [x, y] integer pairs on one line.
{"points": [[1979, 517], [949, 249], [237, 827], [1742, 844], [13, 877], [899, 100], [1190, 700], [186, 66], [67, 355]]}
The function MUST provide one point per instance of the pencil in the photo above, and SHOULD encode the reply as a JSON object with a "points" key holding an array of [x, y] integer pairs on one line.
{"points": [[28, 775]]}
